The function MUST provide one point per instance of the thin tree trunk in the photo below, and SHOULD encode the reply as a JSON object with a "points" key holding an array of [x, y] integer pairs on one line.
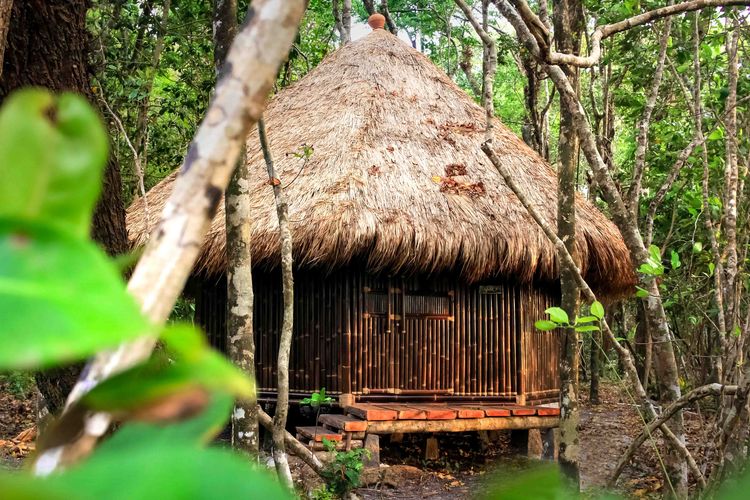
{"points": [[285, 342], [388, 19], [6, 7], [47, 45], [141, 124], [342, 15], [240, 341], [731, 182], [466, 67], [644, 125], [595, 362], [568, 22]]}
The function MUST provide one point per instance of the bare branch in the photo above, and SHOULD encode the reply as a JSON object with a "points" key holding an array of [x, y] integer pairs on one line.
{"points": [[139, 171], [606, 31], [490, 62], [685, 400]]}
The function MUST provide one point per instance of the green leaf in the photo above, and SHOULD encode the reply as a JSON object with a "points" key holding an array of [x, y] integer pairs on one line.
{"points": [[543, 482], [558, 315], [61, 299], [196, 365], [200, 430], [651, 269], [52, 155], [711, 268], [655, 253], [209, 367], [545, 325], [641, 293], [587, 328], [597, 309], [675, 260], [716, 135], [586, 319], [151, 470], [697, 247]]}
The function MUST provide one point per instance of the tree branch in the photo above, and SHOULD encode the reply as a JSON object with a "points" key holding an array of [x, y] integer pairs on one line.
{"points": [[685, 400], [490, 63], [606, 31]]}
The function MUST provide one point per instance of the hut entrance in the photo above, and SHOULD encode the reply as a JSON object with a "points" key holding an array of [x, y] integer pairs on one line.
{"points": [[409, 326]]}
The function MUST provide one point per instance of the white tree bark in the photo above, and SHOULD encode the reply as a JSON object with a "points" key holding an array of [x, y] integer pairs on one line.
{"points": [[239, 326]]}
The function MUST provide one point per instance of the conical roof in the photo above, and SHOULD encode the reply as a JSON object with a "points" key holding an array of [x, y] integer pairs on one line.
{"points": [[395, 177]]}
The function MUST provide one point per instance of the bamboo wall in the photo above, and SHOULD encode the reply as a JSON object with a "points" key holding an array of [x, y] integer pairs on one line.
{"points": [[380, 336], [541, 350]]}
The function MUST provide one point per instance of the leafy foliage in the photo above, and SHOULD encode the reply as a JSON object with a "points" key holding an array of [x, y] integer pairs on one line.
{"points": [[558, 318], [342, 473]]}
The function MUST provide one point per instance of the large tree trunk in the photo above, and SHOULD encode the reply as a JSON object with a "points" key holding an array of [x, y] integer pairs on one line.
{"points": [[47, 45], [240, 341], [568, 21]]}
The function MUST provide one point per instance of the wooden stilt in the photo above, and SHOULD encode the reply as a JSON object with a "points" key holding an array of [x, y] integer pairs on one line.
{"points": [[534, 449], [372, 444], [484, 439], [346, 400], [432, 451], [549, 443]]}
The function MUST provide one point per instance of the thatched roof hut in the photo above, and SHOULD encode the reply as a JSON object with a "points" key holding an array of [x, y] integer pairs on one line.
{"points": [[419, 273], [396, 176]]}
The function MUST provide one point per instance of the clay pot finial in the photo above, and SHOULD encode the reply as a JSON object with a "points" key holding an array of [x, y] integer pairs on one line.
{"points": [[376, 21]]}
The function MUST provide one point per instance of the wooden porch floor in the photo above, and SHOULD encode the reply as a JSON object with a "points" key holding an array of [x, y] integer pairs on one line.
{"points": [[362, 419]]}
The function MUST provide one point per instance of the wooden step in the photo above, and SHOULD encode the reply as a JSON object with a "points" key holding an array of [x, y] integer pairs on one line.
{"points": [[343, 422], [546, 411], [407, 412], [371, 412], [522, 410], [318, 433], [340, 445], [470, 412], [496, 411], [436, 411]]}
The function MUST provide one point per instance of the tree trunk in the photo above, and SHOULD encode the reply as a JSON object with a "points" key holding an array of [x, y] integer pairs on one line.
{"points": [[47, 45], [141, 124], [342, 15], [568, 23], [240, 341], [6, 7], [285, 342]]}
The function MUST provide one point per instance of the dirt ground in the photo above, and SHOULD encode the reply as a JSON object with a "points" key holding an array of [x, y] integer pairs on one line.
{"points": [[466, 464]]}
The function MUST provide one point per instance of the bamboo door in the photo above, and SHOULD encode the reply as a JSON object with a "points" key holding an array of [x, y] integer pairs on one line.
{"points": [[408, 337]]}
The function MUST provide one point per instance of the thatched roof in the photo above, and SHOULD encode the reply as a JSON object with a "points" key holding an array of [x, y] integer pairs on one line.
{"points": [[397, 179]]}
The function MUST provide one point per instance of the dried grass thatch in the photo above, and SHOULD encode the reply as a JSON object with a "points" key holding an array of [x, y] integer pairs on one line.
{"points": [[397, 179]]}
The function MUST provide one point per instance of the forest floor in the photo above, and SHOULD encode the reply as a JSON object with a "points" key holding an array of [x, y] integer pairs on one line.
{"points": [[466, 466]]}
